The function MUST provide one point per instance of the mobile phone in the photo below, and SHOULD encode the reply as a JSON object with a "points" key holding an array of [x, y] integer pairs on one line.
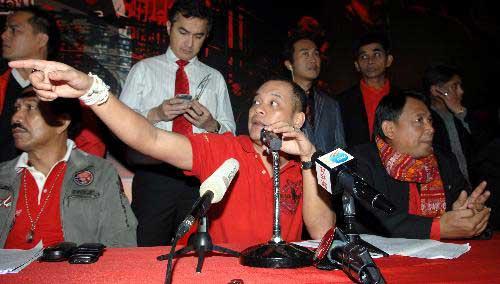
{"points": [[185, 97], [83, 258], [96, 248], [87, 253], [59, 252]]}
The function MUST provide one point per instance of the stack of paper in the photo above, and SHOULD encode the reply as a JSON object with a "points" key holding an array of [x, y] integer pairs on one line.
{"points": [[14, 260], [429, 249]]}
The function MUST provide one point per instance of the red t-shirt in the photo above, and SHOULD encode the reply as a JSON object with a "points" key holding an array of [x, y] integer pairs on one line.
{"points": [[49, 226], [371, 98], [245, 214]]}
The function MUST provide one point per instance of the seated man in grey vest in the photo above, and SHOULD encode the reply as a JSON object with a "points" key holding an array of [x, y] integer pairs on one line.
{"points": [[54, 192]]}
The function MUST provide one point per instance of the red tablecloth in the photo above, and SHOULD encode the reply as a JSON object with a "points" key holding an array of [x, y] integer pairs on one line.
{"points": [[139, 265]]}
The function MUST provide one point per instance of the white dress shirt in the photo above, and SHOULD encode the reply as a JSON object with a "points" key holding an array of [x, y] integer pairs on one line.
{"points": [[152, 80], [20, 80]]}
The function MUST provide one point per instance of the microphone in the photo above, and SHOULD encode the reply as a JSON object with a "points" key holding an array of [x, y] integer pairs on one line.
{"points": [[356, 262], [270, 139], [211, 190], [336, 252], [333, 163]]}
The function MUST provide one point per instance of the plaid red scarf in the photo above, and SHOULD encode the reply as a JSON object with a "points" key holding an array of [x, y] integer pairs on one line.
{"points": [[423, 172]]}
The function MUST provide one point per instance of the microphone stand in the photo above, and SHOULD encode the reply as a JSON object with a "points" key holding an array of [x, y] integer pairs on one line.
{"points": [[353, 256], [200, 243], [349, 210], [354, 259], [276, 253]]}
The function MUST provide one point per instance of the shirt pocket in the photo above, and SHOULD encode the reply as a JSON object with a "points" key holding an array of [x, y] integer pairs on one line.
{"points": [[82, 197], [82, 208]]}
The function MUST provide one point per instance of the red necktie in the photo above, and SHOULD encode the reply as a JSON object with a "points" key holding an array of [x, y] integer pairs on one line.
{"points": [[180, 123]]}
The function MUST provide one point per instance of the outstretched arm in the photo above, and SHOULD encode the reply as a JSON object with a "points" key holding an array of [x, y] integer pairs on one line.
{"points": [[54, 79]]}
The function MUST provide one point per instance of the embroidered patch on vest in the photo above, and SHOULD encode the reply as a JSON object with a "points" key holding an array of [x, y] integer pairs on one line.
{"points": [[83, 178], [6, 202]]}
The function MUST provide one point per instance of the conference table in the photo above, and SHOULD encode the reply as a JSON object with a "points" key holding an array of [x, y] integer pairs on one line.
{"points": [[139, 265]]}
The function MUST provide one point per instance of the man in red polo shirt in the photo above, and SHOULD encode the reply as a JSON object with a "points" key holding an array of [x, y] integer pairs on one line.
{"points": [[245, 215]]}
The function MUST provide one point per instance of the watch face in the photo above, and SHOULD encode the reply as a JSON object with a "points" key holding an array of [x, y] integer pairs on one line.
{"points": [[306, 165], [324, 245]]}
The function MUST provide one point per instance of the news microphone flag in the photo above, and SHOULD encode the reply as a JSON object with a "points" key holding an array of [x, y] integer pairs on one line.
{"points": [[326, 163]]}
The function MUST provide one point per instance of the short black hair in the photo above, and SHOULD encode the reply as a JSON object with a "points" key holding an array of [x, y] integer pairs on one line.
{"points": [[391, 107], [438, 73], [369, 38], [288, 49], [191, 8], [43, 22], [52, 111], [299, 97]]}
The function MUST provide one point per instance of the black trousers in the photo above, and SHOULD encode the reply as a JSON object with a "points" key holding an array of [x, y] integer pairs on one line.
{"points": [[162, 196]]}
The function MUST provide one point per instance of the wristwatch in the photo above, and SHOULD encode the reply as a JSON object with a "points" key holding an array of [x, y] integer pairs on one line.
{"points": [[307, 165]]}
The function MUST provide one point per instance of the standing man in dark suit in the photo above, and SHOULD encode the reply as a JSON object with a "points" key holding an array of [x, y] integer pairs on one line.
{"points": [[323, 125], [372, 59]]}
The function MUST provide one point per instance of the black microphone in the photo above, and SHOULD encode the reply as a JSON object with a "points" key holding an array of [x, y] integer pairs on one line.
{"points": [[332, 166], [356, 262], [212, 190], [270, 139], [361, 190], [336, 252]]}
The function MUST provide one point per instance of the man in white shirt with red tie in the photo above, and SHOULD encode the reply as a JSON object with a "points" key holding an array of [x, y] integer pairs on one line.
{"points": [[177, 92]]}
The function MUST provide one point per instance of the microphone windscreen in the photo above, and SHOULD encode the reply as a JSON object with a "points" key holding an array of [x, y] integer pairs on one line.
{"points": [[220, 180]]}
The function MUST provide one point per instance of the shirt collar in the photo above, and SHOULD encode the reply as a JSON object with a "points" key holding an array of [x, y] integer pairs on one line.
{"points": [[384, 90], [172, 58], [20, 80], [22, 162]]}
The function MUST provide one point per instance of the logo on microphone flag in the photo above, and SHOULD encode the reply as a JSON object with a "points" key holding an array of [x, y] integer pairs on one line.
{"points": [[328, 162]]}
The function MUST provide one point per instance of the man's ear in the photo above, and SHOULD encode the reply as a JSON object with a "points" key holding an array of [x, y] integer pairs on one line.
{"points": [[389, 128], [43, 39], [298, 119], [169, 26], [65, 121], [356, 65], [288, 65], [389, 60]]}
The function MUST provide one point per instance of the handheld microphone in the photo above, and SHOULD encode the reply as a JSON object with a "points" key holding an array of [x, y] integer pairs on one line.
{"points": [[270, 139], [333, 164], [211, 190]]}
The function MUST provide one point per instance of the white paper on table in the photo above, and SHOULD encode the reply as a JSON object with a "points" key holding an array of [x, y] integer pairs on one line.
{"points": [[429, 249], [14, 260]]}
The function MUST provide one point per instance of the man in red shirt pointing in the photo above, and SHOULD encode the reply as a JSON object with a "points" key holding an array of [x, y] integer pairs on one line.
{"points": [[245, 215]]}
